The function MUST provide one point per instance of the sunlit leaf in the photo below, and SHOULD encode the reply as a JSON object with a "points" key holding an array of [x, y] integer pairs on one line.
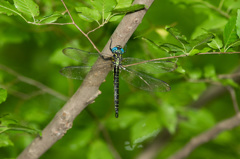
{"points": [[235, 43], [5, 141], [175, 33], [197, 121], [145, 129], [17, 127], [123, 3], [168, 117], [28, 7], [229, 82], [216, 43], [238, 23], [51, 18], [229, 34], [150, 42], [129, 9], [3, 95], [7, 8], [195, 74], [193, 52], [104, 6], [171, 48], [99, 150], [128, 117], [209, 71], [202, 39], [88, 14]]}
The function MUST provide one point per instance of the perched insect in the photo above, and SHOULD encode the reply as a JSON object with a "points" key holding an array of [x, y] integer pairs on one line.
{"points": [[132, 70]]}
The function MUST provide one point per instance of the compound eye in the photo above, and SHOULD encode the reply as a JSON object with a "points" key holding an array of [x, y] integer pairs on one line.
{"points": [[114, 49], [122, 50]]}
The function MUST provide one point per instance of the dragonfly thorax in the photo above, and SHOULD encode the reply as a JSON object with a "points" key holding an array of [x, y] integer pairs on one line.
{"points": [[117, 49]]}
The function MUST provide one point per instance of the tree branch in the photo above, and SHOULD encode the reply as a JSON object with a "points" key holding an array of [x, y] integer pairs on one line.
{"points": [[33, 82], [234, 99], [63, 120], [210, 94], [207, 136]]}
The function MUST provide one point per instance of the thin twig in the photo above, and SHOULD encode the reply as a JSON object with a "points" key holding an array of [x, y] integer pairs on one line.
{"points": [[220, 4], [223, 76], [106, 135], [101, 25], [179, 56], [35, 83], [52, 23], [16, 93], [86, 35], [207, 136], [215, 8], [234, 99]]}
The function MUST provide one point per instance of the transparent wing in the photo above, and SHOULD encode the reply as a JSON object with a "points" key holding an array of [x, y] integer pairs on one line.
{"points": [[151, 67], [80, 55], [75, 72], [144, 81]]}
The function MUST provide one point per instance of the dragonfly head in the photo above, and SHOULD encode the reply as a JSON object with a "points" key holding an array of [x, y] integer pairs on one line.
{"points": [[117, 49]]}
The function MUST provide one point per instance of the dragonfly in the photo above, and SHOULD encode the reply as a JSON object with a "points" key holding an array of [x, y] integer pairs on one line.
{"points": [[134, 71]]}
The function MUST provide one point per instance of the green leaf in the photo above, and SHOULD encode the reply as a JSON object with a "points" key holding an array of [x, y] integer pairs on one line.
{"points": [[82, 137], [202, 39], [184, 1], [5, 141], [229, 34], [209, 71], [128, 117], [146, 128], [17, 127], [9, 124], [88, 14], [175, 33], [193, 52], [229, 82], [238, 23], [28, 7], [195, 74], [150, 42], [3, 95], [51, 18], [129, 9], [231, 4], [216, 43], [198, 121], [123, 3], [235, 43], [168, 117], [99, 150], [104, 6], [7, 8], [171, 48]]}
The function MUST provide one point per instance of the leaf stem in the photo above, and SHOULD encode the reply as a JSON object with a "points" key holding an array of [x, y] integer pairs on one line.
{"points": [[73, 22], [215, 8], [179, 56]]}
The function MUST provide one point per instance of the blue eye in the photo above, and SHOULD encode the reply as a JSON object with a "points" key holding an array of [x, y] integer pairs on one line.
{"points": [[122, 50], [114, 49]]}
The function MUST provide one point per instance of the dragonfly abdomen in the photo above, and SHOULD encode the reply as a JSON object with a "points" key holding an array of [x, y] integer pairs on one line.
{"points": [[116, 89]]}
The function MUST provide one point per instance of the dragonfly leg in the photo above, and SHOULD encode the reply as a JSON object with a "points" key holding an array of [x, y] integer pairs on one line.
{"points": [[110, 46]]}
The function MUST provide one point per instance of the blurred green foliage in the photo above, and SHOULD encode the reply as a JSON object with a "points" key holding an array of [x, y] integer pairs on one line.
{"points": [[30, 46]]}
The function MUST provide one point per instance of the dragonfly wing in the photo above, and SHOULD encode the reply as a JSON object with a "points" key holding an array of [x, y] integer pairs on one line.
{"points": [[149, 67], [75, 72], [144, 81], [80, 55]]}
